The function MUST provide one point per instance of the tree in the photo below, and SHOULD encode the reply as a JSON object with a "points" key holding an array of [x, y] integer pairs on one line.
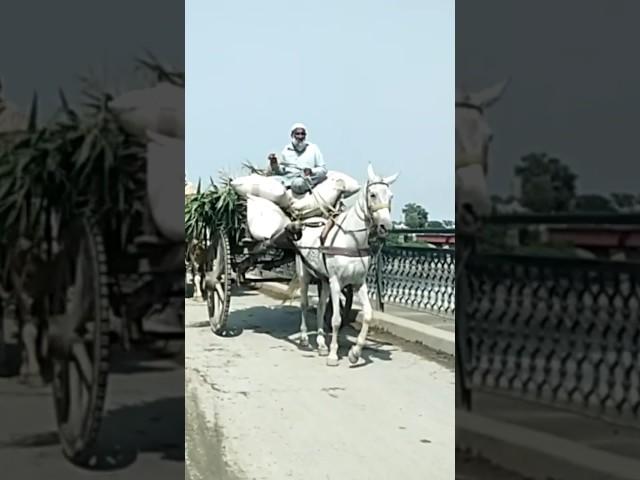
{"points": [[415, 216], [623, 201], [548, 185], [538, 194], [594, 203], [435, 224]]}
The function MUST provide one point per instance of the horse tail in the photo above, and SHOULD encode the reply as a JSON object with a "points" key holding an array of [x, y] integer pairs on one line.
{"points": [[294, 284]]}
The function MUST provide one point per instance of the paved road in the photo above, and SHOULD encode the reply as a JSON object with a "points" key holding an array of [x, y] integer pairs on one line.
{"points": [[143, 432], [258, 407]]}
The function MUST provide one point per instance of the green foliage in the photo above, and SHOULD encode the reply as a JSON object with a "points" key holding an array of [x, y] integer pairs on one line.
{"points": [[594, 203], [219, 207], [82, 162], [623, 201], [548, 185], [415, 216], [75, 165]]}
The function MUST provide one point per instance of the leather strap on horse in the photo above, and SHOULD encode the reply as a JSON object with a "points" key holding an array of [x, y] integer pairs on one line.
{"points": [[327, 228], [346, 252], [311, 267]]}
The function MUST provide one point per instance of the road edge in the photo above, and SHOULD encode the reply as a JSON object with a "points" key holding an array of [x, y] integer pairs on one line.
{"points": [[431, 337], [538, 455]]}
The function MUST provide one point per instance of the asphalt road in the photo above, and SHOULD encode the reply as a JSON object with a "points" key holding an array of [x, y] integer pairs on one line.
{"points": [[142, 434], [258, 407]]}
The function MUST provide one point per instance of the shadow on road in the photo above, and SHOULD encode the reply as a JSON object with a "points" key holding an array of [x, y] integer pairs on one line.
{"points": [[155, 427], [283, 323], [152, 427]]}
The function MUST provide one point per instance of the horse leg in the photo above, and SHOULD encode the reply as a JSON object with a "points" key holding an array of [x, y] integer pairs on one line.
{"points": [[197, 290], [367, 316], [304, 306], [336, 319], [30, 369], [323, 351]]}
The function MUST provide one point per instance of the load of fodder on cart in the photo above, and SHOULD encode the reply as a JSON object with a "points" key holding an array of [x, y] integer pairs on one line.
{"points": [[85, 160], [217, 208], [260, 202]]}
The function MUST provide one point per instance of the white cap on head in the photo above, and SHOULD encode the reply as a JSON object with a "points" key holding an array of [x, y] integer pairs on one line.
{"points": [[296, 126]]}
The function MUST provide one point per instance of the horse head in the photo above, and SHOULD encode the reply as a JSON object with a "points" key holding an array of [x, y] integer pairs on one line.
{"points": [[473, 138], [378, 198]]}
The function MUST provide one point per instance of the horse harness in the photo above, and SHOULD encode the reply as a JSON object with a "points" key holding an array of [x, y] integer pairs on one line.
{"points": [[341, 251]]}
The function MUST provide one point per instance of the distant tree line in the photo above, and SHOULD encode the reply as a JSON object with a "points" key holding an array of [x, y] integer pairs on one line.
{"points": [[549, 186]]}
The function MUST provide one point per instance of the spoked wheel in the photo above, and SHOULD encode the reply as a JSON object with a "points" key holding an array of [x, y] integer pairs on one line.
{"points": [[80, 344], [346, 303], [217, 282]]}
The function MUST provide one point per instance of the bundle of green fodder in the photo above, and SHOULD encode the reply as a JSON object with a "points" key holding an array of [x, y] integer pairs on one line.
{"points": [[217, 208], [83, 162]]}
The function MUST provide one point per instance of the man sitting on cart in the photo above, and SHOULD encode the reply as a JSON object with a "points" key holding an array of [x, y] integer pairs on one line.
{"points": [[302, 166]]}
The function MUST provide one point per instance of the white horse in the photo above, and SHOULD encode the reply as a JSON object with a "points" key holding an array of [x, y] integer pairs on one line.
{"points": [[342, 260], [473, 138]]}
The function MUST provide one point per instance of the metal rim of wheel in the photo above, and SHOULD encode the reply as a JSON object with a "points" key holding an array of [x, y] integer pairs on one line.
{"points": [[217, 284], [346, 303], [82, 368]]}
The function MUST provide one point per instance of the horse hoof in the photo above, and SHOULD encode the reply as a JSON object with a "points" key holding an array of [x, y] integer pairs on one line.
{"points": [[304, 342], [323, 352], [353, 357], [332, 362]]}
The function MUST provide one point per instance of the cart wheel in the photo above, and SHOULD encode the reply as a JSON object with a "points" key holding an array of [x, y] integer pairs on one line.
{"points": [[80, 345], [346, 303], [217, 282]]}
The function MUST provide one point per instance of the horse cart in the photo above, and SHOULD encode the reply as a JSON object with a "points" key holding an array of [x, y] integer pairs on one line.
{"points": [[227, 263], [85, 260], [319, 239], [96, 282]]}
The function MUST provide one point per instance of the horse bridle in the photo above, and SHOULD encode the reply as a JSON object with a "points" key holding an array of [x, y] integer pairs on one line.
{"points": [[371, 209], [464, 159]]}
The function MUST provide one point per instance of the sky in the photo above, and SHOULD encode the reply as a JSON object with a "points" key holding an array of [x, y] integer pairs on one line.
{"points": [[372, 80], [574, 85], [45, 46]]}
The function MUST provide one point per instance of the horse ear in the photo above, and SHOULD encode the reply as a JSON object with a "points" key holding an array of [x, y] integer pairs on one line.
{"points": [[491, 95], [371, 174], [389, 180]]}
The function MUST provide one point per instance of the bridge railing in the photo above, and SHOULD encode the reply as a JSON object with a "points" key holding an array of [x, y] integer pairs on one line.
{"points": [[560, 330], [412, 274]]}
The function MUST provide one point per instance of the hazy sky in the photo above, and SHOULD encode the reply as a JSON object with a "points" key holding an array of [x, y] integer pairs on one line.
{"points": [[372, 80], [575, 84], [47, 45]]}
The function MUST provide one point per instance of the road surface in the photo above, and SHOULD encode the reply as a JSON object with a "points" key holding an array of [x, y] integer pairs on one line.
{"points": [[258, 407], [143, 431]]}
